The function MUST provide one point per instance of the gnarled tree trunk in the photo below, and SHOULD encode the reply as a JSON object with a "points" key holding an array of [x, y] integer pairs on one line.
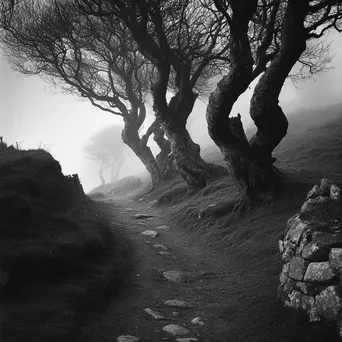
{"points": [[189, 163], [251, 163], [130, 137], [265, 110], [164, 158]]}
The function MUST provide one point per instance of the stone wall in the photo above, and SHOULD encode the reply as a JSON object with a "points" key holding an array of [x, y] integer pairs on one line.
{"points": [[311, 250]]}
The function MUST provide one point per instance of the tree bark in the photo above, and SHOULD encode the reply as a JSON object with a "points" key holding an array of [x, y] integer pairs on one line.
{"points": [[228, 133], [130, 137], [264, 110], [164, 158], [189, 163], [251, 163]]}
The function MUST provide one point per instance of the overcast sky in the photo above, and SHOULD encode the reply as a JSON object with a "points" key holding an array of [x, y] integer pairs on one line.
{"points": [[34, 114]]}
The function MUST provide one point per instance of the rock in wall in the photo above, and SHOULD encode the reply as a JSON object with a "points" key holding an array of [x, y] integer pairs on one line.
{"points": [[311, 250]]}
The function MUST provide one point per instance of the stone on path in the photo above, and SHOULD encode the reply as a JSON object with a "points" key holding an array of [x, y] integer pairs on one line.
{"points": [[175, 330], [148, 241], [183, 276], [154, 314], [159, 246], [197, 321], [164, 253], [142, 216], [128, 338], [151, 233], [186, 339], [175, 276], [129, 209], [163, 227], [178, 303]]}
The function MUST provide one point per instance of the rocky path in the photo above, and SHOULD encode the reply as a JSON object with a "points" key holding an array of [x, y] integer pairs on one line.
{"points": [[181, 290], [171, 296]]}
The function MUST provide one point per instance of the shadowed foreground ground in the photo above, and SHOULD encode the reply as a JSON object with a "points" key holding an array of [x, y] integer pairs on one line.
{"points": [[236, 299]]}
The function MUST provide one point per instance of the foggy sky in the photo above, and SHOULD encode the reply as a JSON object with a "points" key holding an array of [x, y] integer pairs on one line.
{"points": [[33, 114]]}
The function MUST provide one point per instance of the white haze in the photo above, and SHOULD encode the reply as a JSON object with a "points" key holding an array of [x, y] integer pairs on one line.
{"points": [[34, 115]]}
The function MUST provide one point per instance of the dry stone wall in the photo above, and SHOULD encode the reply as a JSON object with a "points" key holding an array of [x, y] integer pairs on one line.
{"points": [[311, 250]]}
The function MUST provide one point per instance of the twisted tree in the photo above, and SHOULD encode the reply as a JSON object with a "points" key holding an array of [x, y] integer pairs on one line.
{"points": [[94, 58], [267, 38], [180, 38]]}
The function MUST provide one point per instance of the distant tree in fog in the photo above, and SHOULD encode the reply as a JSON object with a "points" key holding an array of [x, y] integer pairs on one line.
{"points": [[108, 150]]}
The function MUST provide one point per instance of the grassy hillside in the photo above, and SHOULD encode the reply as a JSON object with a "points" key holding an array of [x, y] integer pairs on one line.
{"points": [[248, 246], [58, 248], [311, 150]]}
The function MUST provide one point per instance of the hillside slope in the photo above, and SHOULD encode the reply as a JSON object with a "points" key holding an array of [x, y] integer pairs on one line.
{"points": [[239, 302], [59, 252]]}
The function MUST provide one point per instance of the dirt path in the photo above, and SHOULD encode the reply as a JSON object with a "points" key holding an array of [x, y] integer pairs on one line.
{"points": [[221, 299], [150, 289]]}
